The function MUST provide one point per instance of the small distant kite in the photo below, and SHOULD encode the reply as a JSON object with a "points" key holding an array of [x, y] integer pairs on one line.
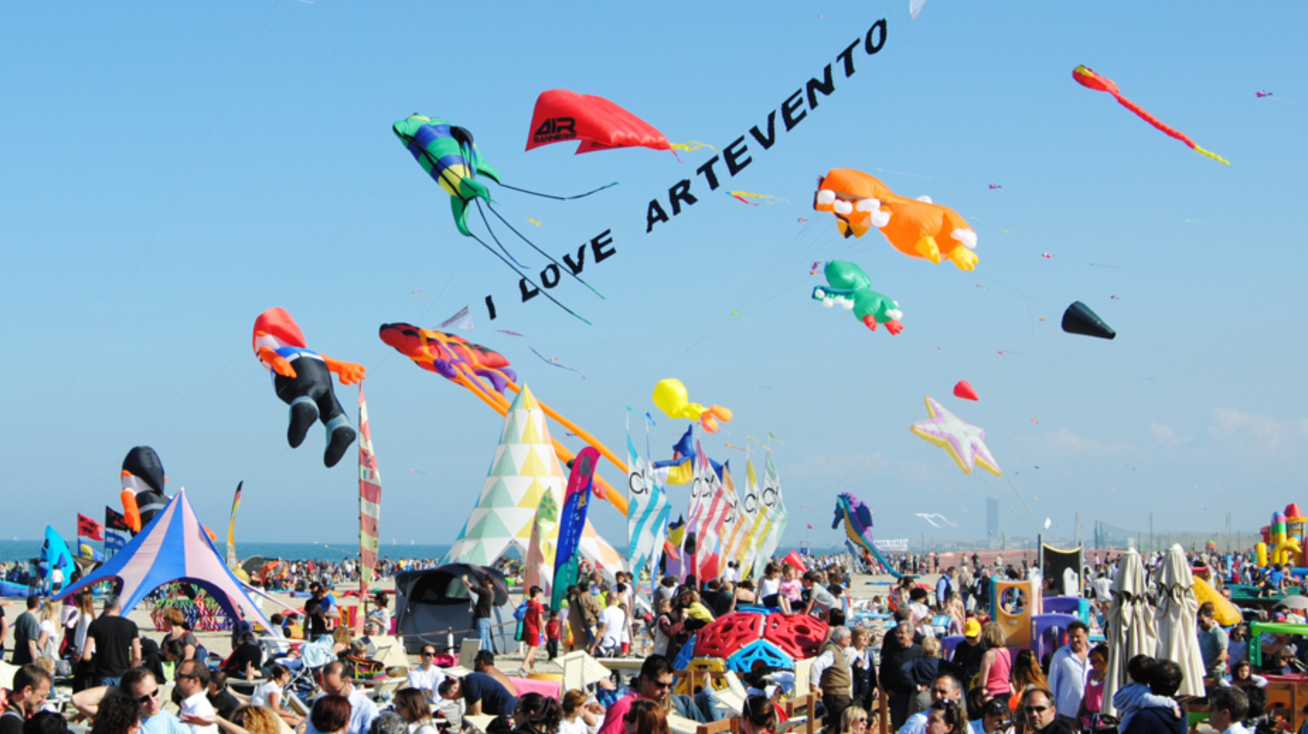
{"points": [[555, 362], [741, 315], [1046, 256], [420, 295], [533, 221], [995, 186], [1079, 319], [931, 518], [745, 196], [460, 320], [1274, 98], [964, 390], [510, 333], [802, 220], [915, 7], [964, 442], [1086, 77], [1048, 523], [1005, 231]]}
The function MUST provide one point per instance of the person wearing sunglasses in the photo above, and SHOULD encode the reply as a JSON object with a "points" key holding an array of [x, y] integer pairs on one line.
{"points": [[140, 684], [654, 684], [854, 720], [427, 677], [1040, 712], [192, 684]]}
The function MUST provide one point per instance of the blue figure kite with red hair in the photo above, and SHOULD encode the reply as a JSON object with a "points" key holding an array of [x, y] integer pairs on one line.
{"points": [[303, 380]]}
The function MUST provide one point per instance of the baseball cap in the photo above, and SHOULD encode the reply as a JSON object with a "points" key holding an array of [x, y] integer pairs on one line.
{"points": [[972, 628]]}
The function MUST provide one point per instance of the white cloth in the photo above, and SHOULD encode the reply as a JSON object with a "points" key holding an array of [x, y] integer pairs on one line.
{"points": [[920, 610], [768, 587], [614, 621], [427, 681], [578, 726], [199, 705], [264, 692], [1176, 619], [1130, 627], [1068, 674], [1258, 681], [51, 649], [916, 724], [1236, 728], [79, 638], [416, 728]]}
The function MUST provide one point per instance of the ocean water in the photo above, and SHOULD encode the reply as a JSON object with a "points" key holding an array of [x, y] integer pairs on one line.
{"points": [[22, 550]]}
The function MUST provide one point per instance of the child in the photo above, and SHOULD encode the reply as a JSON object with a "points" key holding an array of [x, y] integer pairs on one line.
{"points": [[1138, 695], [552, 634]]}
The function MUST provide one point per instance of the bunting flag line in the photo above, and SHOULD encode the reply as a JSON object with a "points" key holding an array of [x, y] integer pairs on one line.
{"points": [[231, 528], [369, 499], [88, 528]]}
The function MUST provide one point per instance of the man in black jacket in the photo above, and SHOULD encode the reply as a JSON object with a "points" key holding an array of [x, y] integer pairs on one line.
{"points": [[896, 650], [1041, 713]]}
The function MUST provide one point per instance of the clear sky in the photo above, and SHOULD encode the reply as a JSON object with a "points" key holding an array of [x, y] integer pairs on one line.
{"points": [[173, 169]]}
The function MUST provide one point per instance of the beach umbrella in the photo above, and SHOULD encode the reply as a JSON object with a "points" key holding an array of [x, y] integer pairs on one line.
{"points": [[1294, 601], [1130, 624], [1178, 610]]}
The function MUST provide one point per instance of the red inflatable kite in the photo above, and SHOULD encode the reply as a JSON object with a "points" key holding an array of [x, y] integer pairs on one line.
{"points": [[562, 116], [1086, 77]]}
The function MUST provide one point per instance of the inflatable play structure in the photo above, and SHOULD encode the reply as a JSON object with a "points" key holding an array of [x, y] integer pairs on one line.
{"points": [[738, 640], [1283, 539]]}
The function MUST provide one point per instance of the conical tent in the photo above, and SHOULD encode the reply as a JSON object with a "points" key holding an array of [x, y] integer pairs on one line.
{"points": [[173, 547], [525, 469]]}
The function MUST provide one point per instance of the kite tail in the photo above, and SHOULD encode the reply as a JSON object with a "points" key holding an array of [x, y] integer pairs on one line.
{"points": [[692, 145], [529, 280], [537, 249], [558, 198], [492, 234], [1210, 154]]}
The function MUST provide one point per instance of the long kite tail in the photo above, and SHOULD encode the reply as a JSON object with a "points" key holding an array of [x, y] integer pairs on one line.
{"points": [[529, 280], [1165, 128], [463, 227], [559, 198], [557, 264]]}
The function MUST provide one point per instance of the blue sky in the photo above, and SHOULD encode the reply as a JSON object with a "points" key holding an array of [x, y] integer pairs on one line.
{"points": [[173, 169]]}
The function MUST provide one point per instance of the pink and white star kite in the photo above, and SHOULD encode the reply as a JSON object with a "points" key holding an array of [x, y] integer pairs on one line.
{"points": [[961, 439]]}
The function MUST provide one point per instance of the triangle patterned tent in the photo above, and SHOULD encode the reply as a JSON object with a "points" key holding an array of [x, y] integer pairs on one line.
{"points": [[173, 547]]}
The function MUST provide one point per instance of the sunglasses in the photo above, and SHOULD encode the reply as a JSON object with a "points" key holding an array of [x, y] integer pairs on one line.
{"points": [[426, 654], [861, 720], [1035, 709], [662, 686], [149, 696]]}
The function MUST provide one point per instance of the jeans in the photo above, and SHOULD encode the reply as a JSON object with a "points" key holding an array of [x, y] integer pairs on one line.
{"points": [[107, 681], [484, 633]]}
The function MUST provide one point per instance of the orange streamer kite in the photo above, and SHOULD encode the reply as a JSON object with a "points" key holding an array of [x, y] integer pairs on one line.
{"points": [[1086, 77]]}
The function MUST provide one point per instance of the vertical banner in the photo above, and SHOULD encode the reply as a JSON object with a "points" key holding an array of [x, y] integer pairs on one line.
{"points": [[774, 514], [369, 500], [647, 513], [116, 532], [576, 504], [231, 528]]}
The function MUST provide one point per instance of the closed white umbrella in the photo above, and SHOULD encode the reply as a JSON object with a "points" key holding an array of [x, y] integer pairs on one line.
{"points": [[1130, 625], [1178, 610]]}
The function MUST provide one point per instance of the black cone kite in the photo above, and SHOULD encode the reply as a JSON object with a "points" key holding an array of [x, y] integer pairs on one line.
{"points": [[1079, 319]]}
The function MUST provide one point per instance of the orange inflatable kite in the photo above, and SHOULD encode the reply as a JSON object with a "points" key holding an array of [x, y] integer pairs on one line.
{"points": [[916, 227]]}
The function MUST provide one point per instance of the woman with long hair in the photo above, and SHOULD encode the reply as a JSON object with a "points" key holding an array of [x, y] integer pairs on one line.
{"points": [[947, 717], [996, 663], [770, 587], [180, 641], [85, 615], [47, 643], [256, 720], [271, 693], [1242, 676], [854, 720], [532, 622], [1026, 674], [645, 717], [578, 718], [411, 704], [341, 640], [1093, 698], [537, 714], [118, 713], [759, 716]]}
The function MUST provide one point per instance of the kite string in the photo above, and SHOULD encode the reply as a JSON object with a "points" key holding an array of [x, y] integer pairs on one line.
{"points": [[485, 221], [492, 251], [557, 264], [558, 198]]}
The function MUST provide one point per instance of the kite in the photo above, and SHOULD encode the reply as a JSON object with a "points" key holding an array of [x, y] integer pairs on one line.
{"points": [[302, 378], [931, 518], [671, 397], [744, 197], [1274, 98], [915, 7], [472, 366], [572, 522], [533, 221], [143, 480], [510, 333], [850, 287], [1263, 94], [450, 156], [1086, 77], [964, 390], [1079, 319], [460, 320], [420, 295], [916, 227], [964, 441], [858, 526], [554, 361], [995, 186], [802, 220], [561, 116]]}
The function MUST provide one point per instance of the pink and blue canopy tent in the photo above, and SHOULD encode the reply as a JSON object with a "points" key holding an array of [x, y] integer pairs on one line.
{"points": [[173, 547]]}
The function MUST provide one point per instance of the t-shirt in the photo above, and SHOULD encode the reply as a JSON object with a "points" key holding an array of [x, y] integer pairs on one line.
{"points": [[614, 621], [428, 681], [482, 608], [226, 704], [263, 694], [249, 652], [51, 649], [1211, 644], [199, 705], [25, 628], [113, 645], [823, 601], [11, 722], [164, 723], [792, 589], [495, 698], [315, 609]]}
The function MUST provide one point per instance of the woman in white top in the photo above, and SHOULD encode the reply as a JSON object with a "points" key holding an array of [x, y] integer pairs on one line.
{"points": [[47, 645], [85, 615], [382, 613], [770, 586], [412, 705], [578, 718], [269, 694]]}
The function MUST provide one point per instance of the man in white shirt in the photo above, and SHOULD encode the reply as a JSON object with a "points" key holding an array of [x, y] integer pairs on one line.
{"points": [[612, 624], [427, 677], [1227, 707], [1068, 672], [192, 682], [362, 710], [732, 574]]}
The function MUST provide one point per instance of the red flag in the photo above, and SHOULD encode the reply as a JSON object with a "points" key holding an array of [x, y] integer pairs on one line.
{"points": [[88, 528]]}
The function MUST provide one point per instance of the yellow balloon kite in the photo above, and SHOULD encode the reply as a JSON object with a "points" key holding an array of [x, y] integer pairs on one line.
{"points": [[671, 397]]}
